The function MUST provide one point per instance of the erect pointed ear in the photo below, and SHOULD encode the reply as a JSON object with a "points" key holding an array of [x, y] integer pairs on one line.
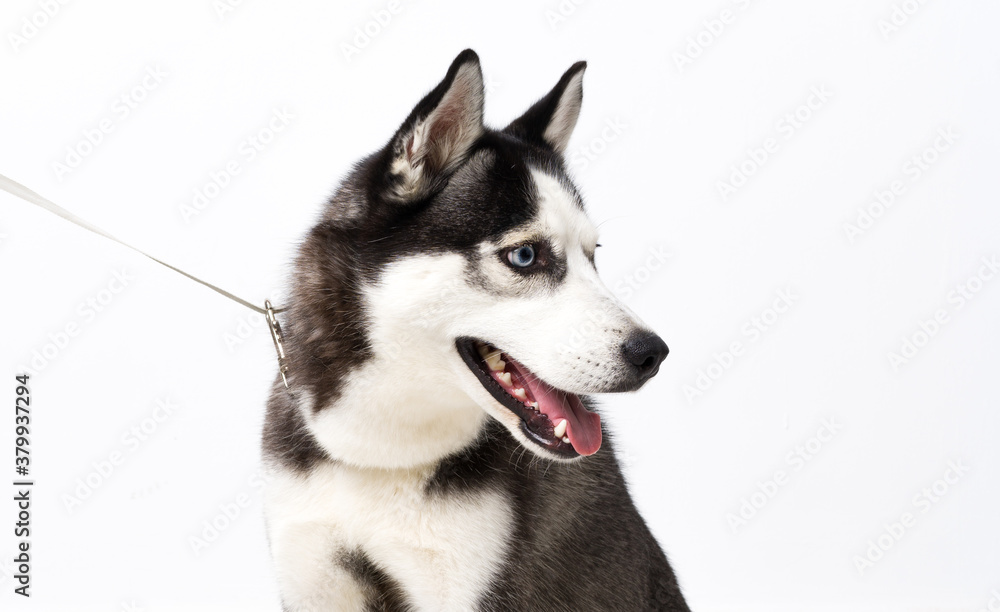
{"points": [[551, 120], [437, 135]]}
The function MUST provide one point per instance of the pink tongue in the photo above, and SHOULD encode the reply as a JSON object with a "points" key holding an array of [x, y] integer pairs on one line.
{"points": [[583, 428]]}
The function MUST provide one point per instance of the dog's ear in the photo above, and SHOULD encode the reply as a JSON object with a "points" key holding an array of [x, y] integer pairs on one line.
{"points": [[550, 121], [437, 135]]}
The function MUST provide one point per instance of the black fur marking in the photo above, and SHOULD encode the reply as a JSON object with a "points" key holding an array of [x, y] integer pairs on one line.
{"points": [[486, 197], [531, 126], [383, 593], [572, 520], [324, 332], [286, 437]]}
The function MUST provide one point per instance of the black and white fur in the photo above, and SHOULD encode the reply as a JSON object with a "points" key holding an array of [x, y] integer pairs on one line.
{"points": [[398, 482]]}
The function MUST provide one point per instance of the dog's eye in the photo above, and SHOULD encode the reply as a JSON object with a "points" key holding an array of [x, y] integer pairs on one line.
{"points": [[522, 256]]}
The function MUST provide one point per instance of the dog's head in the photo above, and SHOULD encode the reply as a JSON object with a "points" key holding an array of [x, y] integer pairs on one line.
{"points": [[454, 272]]}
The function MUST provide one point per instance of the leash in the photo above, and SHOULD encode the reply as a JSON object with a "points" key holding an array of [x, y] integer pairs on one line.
{"points": [[20, 191]]}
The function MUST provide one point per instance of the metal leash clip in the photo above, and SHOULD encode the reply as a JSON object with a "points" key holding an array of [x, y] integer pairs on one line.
{"points": [[272, 323]]}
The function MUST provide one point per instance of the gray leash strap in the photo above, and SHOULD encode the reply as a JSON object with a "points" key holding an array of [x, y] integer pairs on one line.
{"points": [[17, 189], [20, 191]]}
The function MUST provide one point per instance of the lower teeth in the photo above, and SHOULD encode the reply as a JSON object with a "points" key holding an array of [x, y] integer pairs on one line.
{"points": [[490, 354]]}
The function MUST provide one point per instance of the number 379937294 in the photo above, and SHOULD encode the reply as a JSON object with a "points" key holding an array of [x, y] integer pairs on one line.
{"points": [[22, 426]]}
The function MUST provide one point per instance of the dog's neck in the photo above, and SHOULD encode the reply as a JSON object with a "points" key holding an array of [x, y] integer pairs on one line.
{"points": [[393, 414]]}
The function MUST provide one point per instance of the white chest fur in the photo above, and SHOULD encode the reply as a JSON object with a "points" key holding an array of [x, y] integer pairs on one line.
{"points": [[443, 550]]}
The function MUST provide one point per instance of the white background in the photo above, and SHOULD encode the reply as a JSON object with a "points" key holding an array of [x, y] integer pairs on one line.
{"points": [[654, 183]]}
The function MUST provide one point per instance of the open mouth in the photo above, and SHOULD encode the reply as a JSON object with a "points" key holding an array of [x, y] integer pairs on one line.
{"points": [[553, 419]]}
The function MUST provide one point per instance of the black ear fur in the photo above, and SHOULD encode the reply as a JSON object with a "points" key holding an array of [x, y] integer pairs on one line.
{"points": [[550, 121], [439, 132]]}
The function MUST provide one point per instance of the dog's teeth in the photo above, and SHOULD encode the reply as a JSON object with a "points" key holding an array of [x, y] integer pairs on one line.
{"points": [[483, 350], [505, 378], [534, 406], [520, 394], [493, 360], [560, 429], [565, 439]]}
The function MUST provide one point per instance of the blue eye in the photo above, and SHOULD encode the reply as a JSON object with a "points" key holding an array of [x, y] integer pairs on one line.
{"points": [[522, 256]]}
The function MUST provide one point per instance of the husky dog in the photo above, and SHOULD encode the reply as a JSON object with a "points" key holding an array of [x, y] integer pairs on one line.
{"points": [[436, 449]]}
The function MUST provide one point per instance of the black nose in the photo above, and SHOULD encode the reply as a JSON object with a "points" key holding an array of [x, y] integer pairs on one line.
{"points": [[645, 350]]}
